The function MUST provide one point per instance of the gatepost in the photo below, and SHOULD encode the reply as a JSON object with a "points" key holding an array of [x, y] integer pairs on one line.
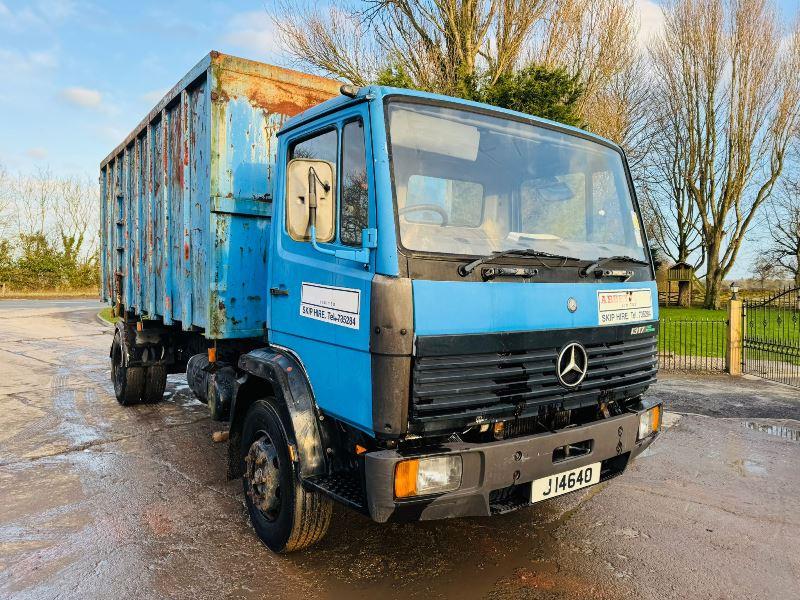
{"points": [[733, 357]]}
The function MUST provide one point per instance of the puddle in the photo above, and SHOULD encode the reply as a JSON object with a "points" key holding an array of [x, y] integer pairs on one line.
{"points": [[786, 433], [749, 467]]}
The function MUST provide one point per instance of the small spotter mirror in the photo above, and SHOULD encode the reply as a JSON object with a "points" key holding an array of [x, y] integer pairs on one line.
{"points": [[310, 184]]}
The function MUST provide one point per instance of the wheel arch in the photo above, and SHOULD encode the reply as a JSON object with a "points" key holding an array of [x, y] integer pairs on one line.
{"points": [[269, 371]]}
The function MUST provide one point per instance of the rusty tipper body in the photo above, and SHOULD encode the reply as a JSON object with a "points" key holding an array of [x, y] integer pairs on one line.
{"points": [[414, 305], [193, 185]]}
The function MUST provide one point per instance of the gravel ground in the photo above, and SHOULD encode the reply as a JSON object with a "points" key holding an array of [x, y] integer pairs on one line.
{"points": [[101, 501]]}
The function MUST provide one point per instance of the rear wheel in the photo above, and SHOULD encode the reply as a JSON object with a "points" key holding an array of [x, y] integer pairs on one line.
{"points": [[285, 516], [129, 382], [155, 383]]}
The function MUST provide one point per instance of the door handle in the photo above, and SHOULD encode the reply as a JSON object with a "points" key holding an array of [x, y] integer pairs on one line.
{"points": [[278, 292]]}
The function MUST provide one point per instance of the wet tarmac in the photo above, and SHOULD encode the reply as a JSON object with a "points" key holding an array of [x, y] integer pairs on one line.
{"points": [[101, 501]]}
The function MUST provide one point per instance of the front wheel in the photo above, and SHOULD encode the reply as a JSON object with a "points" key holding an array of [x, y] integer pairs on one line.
{"points": [[285, 516]]}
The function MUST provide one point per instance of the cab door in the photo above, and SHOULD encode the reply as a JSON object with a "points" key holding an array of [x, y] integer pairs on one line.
{"points": [[319, 304]]}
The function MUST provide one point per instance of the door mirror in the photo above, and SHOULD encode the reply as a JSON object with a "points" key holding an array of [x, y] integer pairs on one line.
{"points": [[310, 199]]}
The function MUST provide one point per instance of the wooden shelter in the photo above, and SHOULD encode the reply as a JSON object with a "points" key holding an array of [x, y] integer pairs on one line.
{"points": [[681, 273]]}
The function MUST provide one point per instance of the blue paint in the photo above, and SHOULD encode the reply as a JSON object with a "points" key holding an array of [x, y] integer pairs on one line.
{"points": [[187, 198], [451, 307], [336, 358], [195, 201], [386, 262]]}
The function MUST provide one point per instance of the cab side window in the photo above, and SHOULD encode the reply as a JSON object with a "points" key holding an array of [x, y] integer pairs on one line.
{"points": [[321, 146], [353, 207]]}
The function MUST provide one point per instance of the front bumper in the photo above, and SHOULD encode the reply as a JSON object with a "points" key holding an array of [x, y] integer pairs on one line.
{"points": [[497, 476]]}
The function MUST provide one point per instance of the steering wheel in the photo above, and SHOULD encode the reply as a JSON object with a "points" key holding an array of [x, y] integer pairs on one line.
{"points": [[432, 207]]}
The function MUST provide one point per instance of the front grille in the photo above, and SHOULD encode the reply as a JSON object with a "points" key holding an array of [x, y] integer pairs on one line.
{"points": [[502, 384]]}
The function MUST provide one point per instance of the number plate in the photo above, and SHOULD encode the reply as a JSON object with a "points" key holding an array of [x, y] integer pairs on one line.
{"points": [[568, 481]]}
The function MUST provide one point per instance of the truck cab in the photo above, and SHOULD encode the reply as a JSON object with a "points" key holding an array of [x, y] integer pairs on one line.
{"points": [[477, 295], [461, 318]]}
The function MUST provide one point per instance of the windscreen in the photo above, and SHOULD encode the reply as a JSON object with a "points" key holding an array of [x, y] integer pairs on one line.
{"points": [[469, 183]]}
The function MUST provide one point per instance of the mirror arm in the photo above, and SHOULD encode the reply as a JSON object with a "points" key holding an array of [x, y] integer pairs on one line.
{"points": [[369, 239], [369, 236]]}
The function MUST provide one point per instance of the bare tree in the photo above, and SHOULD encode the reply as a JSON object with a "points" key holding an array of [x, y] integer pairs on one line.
{"points": [[764, 270], [341, 43], [34, 199], [783, 222], [440, 44], [622, 111], [6, 201], [675, 223], [76, 211], [595, 39], [738, 103]]}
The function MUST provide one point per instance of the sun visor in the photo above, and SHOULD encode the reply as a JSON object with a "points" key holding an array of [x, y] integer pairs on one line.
{"points": [[432, 134]]}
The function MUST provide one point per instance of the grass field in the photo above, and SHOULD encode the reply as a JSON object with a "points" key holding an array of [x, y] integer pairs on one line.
{"points": [[15, 294], [692, 313], [700, 332], [692, 331]]}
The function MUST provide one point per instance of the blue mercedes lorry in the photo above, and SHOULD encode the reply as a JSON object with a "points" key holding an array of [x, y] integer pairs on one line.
{"points": [[414, 305]]}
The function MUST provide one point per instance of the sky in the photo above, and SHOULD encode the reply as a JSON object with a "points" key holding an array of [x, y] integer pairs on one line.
{"points": [[78, 75]]}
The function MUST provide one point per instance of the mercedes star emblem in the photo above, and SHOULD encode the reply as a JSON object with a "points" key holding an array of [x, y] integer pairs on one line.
{"points": [[572, 365]]}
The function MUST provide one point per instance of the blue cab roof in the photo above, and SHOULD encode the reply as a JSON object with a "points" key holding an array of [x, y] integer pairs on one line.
{"points": [[378, 92]]}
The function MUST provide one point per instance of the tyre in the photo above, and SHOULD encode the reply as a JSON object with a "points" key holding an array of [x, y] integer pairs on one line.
{"points": [[129, 382], [155, 383], [286, 517]]}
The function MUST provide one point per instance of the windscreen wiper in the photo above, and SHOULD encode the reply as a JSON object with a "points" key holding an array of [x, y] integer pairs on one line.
{"points": [[465, 270], [595, 267]]}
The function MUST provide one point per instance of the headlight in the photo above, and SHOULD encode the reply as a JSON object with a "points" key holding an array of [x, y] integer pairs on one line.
{"points": [[649, 422], [423, 476]]}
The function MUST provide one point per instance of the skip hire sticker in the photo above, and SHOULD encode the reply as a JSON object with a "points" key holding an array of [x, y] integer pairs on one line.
{"points": [[616, 307], [334, 305]]}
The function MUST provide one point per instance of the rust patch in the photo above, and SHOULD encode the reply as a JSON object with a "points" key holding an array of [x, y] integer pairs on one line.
{"points": [[217, 317], [290, 97], [186, 251]]}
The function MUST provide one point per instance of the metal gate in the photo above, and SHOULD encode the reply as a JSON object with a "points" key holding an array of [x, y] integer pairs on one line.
{"points": [[771, 337]]}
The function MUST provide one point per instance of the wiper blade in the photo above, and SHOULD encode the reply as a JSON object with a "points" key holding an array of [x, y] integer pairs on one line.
{"points": [[468, 268], [593, 267]]}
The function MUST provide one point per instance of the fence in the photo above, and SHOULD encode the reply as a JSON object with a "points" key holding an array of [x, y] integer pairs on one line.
{"points": [[692, 344], [771, 337]]}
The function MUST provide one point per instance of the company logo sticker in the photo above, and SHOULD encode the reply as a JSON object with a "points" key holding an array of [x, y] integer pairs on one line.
{"points": [[334, 305], [618, 307]]}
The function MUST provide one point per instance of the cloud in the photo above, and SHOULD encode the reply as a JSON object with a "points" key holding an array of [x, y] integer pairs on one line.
{"points": [[651, 20], [36, 15], [36, 153], [19, 63], [83, 97], [254, 32]]}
